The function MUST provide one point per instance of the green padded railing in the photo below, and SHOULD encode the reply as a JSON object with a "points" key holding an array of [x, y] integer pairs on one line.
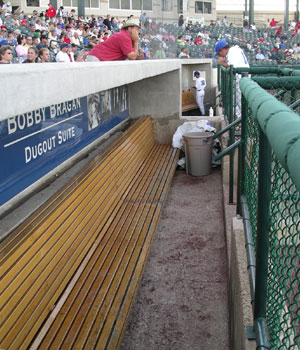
{"points": [[270, 191]]}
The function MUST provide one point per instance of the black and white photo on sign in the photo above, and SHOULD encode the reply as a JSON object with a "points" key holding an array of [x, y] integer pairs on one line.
{"points": [[115, 101], [106, 104], [94, 116], [124, 96]]}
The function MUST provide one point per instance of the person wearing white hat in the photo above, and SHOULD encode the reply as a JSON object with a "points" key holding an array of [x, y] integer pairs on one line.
{"points": [[6, 7], [119, 46]]}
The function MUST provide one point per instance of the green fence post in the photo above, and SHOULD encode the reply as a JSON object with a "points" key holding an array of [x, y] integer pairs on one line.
{"points": [[241, 157], [262, 240], [231, 136]]}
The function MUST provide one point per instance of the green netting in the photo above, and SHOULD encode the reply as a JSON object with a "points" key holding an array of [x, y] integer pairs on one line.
{"points": [[283, 277], [250, 179], [283, 294]]}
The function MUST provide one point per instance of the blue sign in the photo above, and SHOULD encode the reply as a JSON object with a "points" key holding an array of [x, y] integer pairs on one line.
{"points": [[34, 143]]}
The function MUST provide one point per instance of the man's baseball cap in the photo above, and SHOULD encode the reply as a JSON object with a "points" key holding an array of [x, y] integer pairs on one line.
{"points": [[196, 73], [132, 22], [220, 45], [64, 45]]}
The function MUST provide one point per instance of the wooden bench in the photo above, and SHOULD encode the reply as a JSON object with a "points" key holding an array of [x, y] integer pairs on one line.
{"points": [[188, 101], [69, 273]]}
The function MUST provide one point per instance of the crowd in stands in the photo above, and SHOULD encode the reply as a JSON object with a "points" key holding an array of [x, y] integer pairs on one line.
{"points": [[60, 36]]}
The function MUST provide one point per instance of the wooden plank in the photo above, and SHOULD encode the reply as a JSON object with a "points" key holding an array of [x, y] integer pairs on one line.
{"points": [[103, 258]]}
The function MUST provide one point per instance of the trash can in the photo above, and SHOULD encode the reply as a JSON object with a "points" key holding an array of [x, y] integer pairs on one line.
{"points": [[198, 153]]}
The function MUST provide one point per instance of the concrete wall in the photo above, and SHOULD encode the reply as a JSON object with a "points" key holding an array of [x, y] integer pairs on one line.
{"points": [[104, 9], [29, 87]]}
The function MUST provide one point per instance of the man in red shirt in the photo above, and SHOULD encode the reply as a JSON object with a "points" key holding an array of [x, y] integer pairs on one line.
{"points": [[119, 46], [51, 12], [273, 23]]}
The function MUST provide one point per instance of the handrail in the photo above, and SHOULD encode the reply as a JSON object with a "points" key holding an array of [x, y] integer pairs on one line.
{"points": [[286, 145]]}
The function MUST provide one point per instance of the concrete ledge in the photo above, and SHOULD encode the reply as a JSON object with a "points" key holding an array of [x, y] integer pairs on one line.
{"points": [[239, 290], [29, 87]]}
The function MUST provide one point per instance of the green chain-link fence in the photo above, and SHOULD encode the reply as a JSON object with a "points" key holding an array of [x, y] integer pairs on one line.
{"points": [[273, 201]]}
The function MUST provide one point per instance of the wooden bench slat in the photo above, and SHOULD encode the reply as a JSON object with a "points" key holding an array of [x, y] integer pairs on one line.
{"points": [[102, 257]]}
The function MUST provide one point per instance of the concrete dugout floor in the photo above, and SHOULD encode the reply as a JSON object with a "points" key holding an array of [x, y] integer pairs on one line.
{"points": [[182, 303]]}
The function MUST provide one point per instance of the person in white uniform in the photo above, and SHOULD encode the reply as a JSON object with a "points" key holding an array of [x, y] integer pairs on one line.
{"points": [[200, 84], [232, 56]]}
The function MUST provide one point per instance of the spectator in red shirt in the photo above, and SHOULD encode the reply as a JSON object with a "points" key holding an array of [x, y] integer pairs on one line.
{"points": [[198, 40], [51, 12], [273, 23], [119, 46]]}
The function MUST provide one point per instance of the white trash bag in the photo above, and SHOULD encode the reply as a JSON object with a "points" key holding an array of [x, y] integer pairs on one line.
{"points": [[197, 126]]}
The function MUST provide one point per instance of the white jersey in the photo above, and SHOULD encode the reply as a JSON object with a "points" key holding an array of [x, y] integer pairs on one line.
{"points": [[236, 57], [200, 84]]}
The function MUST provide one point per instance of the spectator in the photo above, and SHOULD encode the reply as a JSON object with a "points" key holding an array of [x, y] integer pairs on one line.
{"points": [[260, 55], [143, 19], [7, 8], [232, 56], [21, 48], [62, 55], [119, 46], [273, 23], [58, 29], [180, 21], [28, 41], [198, 40], [107, 22], [12, 41], [60, 12], [32, 55], [44, 56], [8, 20], [3, 33], [224, 21], [44, 43], [24, 22], [5, 54], [185, 53], [82, 55], [51, 12], [114, 24], [75, 39], [72, 51], [15, 20]]}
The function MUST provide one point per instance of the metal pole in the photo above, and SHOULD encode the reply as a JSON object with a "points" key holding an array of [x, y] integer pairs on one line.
{"points": [[231, 139], [81, 8], [263, 222], [251, 12], [54, 3], [286, 15], [297, 11], [246, 9], [241, 157]]}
